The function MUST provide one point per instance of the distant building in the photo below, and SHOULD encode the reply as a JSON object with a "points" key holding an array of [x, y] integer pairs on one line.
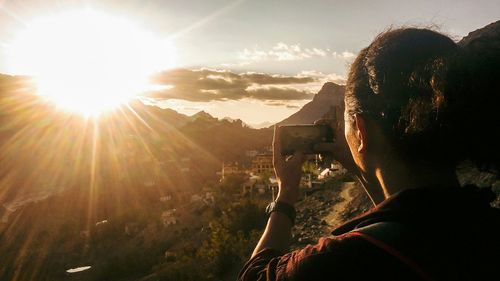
{"points": [[166, 198], [250, 183], [338, 168], [251, 153], [256, 184], [185, 164], [230, 169], [168, 217], [325, 173], [263, 164], [334, 169], [209, 198]]}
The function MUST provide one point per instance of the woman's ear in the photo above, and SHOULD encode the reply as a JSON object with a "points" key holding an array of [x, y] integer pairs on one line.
{"points": [[360, 132]]}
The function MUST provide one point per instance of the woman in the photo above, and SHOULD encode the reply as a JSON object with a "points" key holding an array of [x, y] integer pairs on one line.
{"points": [[416, 103]]}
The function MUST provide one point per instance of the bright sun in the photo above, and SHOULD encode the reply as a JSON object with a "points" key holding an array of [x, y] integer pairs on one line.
{"points": [[87, 61]]}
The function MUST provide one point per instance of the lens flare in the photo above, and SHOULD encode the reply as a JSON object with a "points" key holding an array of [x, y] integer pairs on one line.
{"points": [[87, 61]]}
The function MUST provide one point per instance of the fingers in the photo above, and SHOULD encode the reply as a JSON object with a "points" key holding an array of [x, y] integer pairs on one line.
{"points": [[277, 157], [283, 163]]}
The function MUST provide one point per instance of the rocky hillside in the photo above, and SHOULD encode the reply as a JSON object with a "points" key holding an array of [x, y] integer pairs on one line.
{"points": [[324, 208]]}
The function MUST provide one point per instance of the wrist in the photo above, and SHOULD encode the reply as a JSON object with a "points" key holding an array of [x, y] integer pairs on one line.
{"points": [[283, 208], [288, 193], [285, 198]]}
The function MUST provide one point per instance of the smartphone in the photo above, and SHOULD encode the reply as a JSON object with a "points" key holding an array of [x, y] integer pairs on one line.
{"points": [[303, 138]]}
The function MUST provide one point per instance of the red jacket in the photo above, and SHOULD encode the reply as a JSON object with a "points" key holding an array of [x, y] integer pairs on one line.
{"points": [[417, 234]]}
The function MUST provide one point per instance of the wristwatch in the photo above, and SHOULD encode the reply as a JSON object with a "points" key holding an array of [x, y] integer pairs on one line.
{"points": [[282, 207]]}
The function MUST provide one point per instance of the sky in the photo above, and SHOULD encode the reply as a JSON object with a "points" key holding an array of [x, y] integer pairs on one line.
{"points": [[257, 60]]}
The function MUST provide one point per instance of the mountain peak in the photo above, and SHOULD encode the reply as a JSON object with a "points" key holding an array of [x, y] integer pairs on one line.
{"points": [[330, 95], [202, 114], [329, 90]]}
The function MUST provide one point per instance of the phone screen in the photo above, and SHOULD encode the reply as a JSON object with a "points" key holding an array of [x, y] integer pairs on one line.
{"points": [[303, 138]]}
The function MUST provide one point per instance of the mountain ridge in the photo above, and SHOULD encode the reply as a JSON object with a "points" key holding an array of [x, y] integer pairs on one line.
{"points": [[330, 95]]}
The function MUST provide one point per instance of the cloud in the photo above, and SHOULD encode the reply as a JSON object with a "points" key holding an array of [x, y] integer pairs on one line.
{"points": [[277, 93], [343, 55], [324, 77], [286, 52], [264, 79], [282, 104], [203, 85]]}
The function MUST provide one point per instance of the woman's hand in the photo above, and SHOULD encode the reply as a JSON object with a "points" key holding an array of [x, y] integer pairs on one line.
{"points": [[288, 171], [338, 149]]}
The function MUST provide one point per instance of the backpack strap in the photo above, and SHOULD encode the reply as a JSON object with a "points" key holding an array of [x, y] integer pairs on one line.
{"points": [[380, 235]]}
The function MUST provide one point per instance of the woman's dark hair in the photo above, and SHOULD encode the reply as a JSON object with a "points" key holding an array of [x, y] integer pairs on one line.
{"points": [[436, 100]]}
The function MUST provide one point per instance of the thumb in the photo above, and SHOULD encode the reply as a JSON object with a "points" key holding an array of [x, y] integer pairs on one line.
{"points": [[298, 158]]}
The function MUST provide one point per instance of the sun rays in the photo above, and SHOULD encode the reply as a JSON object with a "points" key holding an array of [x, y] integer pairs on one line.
{"points": [[87, 61]]}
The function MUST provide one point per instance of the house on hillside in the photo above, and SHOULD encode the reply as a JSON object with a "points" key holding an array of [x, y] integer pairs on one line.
{"points": [[334, 169], [169, 217], [258, 185], [263, 164], [251, 153], [185, 164], [230, 168]]}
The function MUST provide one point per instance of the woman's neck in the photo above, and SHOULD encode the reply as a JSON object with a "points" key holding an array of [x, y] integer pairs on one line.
{"points": [[398, 176]]}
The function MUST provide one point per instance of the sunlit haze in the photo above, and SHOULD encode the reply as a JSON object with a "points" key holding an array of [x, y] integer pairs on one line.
{"points": [[88, 61], [137, 137], [102, 50]]}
